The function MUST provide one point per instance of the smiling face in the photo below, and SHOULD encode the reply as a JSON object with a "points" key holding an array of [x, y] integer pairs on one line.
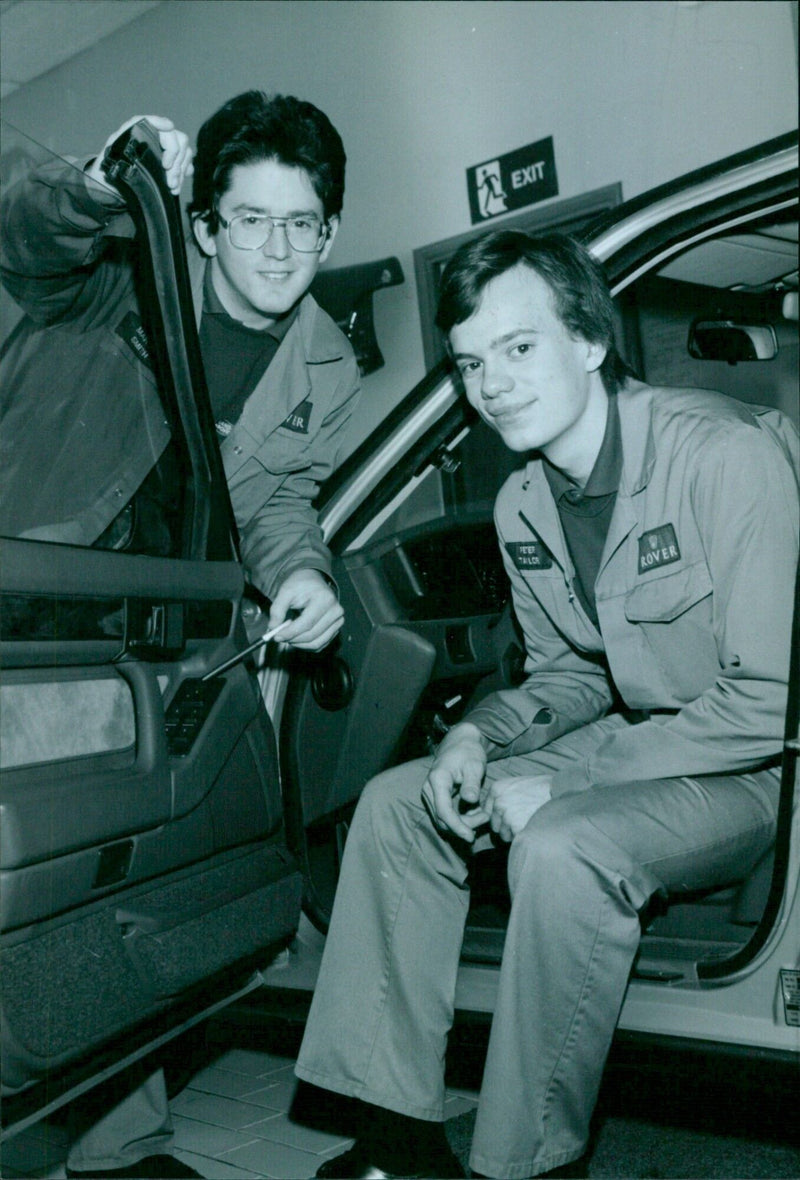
{"points": [[257, 287], [534, 384]]}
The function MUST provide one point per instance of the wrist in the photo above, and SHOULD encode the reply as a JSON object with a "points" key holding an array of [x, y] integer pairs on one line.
{"points": [[468, 731]]}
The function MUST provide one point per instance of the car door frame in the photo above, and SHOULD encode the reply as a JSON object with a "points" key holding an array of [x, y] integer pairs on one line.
{"points": [[158, 623]]}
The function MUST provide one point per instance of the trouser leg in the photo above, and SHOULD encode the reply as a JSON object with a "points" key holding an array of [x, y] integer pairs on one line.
{"points": [[383, 1004], [138, 1124], [580, 873]]}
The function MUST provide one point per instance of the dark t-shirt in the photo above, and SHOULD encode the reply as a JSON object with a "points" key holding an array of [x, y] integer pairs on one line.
{"points": [[235, 357], [586, 513]]}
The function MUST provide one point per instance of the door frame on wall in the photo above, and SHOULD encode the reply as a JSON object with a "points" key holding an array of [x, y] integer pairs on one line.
{"points": [[569, 215]]}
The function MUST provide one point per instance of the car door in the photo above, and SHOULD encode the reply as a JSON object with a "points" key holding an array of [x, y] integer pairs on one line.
{"points": [[144, 867]]}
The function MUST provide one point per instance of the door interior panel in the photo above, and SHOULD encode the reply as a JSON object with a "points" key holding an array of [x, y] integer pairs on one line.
{"points": [[153, 865], [144, 867], [122, 960], [59, 807]]}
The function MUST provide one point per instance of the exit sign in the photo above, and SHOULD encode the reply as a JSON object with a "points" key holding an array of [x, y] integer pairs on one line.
{"points": [[512, 181]]}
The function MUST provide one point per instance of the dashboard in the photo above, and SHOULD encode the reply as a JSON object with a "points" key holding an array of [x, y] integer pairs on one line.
{"points": [[440, 572]]}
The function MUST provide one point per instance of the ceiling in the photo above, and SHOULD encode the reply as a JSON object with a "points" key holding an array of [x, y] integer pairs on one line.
{"points": [[38, 35], [749, 261]]}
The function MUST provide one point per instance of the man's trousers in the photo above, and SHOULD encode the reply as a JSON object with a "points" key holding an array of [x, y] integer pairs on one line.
{"points": [[580, 873], [133, 1123]]}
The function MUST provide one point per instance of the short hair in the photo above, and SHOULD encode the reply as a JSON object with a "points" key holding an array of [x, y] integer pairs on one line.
{"points": [[256, 126], [581, 295]]}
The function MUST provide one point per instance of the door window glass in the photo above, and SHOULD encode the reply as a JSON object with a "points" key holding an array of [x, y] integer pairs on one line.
{"points": [[90, 451]]}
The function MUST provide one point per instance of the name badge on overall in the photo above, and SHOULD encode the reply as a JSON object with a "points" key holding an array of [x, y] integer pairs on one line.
{"points": [[529, 555]]}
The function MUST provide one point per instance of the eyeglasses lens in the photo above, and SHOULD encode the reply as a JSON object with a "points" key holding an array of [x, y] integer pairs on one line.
{"points": [[251, 233]]}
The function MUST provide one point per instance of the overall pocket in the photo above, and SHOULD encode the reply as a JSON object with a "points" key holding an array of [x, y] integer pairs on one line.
{"points": [[674, 613]]}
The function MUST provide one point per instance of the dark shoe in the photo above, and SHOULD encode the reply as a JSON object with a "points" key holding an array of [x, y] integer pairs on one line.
{"points": [[575, 1170], [355, 1164], [152, 1167]]}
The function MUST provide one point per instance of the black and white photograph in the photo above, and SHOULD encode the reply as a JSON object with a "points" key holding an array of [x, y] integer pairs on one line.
{"points": [[399, 589]]}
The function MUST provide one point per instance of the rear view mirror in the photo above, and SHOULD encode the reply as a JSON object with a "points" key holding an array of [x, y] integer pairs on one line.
{"points": [[726, 340]]}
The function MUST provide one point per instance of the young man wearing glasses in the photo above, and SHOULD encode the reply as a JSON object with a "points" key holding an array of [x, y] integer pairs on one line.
{"points": [[268, 184], [283, 381]]}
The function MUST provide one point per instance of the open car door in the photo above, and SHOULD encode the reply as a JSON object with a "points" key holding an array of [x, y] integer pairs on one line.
{"points": [[145, 873]]}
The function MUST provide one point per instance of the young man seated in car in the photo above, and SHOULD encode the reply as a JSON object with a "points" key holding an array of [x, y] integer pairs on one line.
{"points": [[651, 544], [267, 195]]}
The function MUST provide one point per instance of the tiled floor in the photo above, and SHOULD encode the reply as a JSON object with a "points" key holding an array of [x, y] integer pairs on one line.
{"points": [[237, 1117]]}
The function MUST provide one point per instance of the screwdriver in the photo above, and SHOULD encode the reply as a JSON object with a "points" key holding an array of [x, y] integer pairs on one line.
{"points": [[265, 638]]}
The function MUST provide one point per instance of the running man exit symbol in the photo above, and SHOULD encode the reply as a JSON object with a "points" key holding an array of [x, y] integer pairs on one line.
{"points": [[489, 183], [512, 181]]}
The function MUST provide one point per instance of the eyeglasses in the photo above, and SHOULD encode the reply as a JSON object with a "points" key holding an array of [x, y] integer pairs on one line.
{"points": [[251, 231]]}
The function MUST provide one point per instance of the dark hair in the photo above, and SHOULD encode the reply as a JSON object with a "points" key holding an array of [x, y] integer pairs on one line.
{"points": [[577, 281], [256, 126]]}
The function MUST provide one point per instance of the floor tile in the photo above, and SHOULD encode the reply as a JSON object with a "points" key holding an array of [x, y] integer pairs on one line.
{"points": [[278, 1094], [249, 1061], [231, 1120], [191, 1135], [220, 1112], [456, 1104], [275, 1160], [262, 1129], [228, 1084], [215, 1169], [283, 1129]]}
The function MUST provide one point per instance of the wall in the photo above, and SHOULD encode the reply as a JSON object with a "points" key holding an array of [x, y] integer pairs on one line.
{"points": [[636, 91]]}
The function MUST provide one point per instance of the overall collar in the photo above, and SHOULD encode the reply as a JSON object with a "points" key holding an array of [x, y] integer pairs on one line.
{"points": [[636, 428], [604, 478]]}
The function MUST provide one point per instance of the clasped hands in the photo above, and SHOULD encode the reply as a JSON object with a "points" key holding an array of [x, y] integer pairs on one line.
{"points": [[460, 802]]}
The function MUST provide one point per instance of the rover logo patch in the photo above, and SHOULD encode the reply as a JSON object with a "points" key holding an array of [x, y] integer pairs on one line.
{"points": [[299, 418], [658, 547], [529, 555]]}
